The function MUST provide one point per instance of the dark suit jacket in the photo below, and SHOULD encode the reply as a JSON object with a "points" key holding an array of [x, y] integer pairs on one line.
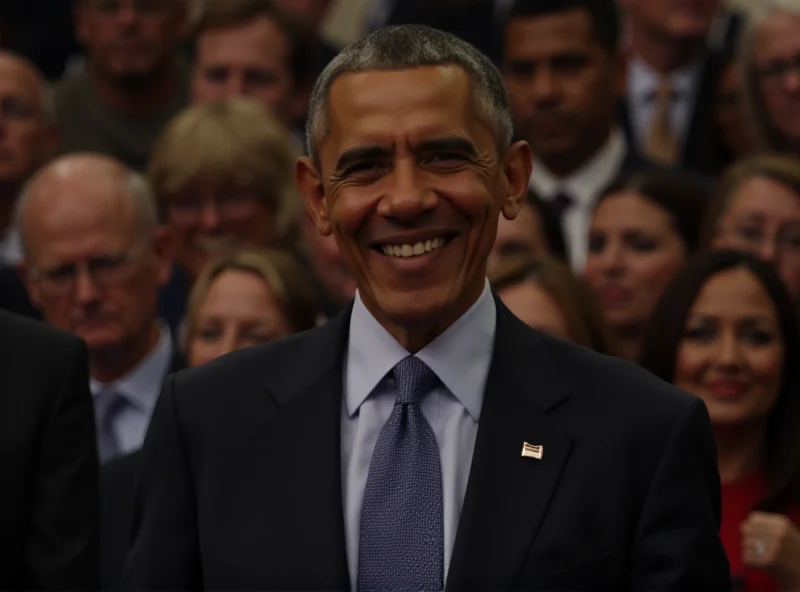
{"points": [[13, 296], [698, 151], [241, 488], [117, 480], [49, 526]]}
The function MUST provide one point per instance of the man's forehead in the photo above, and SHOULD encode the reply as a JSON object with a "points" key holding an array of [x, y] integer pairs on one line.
{"points": [[369, 98], [19, 77]]}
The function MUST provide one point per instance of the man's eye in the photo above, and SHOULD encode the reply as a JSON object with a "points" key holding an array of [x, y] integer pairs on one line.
{"points": [[363, 167]]}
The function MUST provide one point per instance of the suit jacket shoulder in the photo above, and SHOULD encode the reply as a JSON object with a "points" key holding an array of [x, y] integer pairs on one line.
{"points": [[48, 459]]}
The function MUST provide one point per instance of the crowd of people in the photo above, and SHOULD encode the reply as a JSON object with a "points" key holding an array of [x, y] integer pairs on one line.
{"points": [[151, 204]]}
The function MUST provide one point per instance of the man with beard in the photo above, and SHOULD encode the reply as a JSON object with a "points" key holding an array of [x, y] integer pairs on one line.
{"points": [[133, 82], [565, 76]]}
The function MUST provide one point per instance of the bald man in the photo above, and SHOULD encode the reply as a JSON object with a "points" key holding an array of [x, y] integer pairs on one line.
{"points": [[94, 260], [28, 138]]}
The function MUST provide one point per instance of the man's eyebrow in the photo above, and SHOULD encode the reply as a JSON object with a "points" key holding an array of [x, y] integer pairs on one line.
{"points": [[359, 154], [452, 144]]}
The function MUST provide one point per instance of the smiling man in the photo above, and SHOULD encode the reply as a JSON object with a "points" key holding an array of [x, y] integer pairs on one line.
{"points": [[425, 437]]}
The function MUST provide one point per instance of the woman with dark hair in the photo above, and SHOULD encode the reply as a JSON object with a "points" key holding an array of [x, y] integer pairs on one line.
{"points": [[545, 294], [534, 233], [726, 331], [643, 229]]}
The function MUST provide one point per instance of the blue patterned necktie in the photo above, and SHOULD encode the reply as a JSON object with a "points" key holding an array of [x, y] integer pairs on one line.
{"points": [[107, 407], [401, 544]]}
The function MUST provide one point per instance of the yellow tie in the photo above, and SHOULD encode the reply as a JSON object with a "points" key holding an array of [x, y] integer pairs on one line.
{"points": [[662, 145]]}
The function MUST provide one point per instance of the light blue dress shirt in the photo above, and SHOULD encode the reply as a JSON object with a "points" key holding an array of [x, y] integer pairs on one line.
{"points": [[460, 357], [140, 387]]}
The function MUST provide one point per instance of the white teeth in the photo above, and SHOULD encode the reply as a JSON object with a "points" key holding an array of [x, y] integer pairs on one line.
{"points": [[415, 250]]}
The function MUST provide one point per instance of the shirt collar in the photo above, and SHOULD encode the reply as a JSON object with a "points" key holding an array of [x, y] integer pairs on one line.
{"points": [[460, 356], [590, 178], [142, 385], [643, 80]]}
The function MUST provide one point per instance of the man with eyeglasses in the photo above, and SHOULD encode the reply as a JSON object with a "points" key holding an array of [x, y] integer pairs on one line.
{"points": [[133, 83], [94, 260], [28, 138]]}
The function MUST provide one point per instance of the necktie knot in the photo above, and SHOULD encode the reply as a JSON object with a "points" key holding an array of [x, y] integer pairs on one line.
{"points": [[414, 379], [560, 203]]}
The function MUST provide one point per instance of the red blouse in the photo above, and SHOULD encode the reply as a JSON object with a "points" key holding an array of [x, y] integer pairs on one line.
{"points": [[738, 500]]}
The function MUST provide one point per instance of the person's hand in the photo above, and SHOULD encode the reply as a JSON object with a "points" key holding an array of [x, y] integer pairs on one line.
{"points": [[772, 542]]}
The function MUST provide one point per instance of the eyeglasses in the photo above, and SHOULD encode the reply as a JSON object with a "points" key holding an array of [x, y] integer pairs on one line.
{"points": [[775, 72], [752, 239], [235, 205], [143, 7], [15, 109], [106, 270]]}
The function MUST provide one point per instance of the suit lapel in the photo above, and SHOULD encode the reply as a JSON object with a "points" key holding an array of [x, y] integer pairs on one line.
{"points": [[507, 495], [299, 524]]}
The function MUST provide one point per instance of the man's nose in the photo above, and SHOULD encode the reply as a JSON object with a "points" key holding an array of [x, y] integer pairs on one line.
{"points": [[406, 196], [210, 216], [86, 289]]}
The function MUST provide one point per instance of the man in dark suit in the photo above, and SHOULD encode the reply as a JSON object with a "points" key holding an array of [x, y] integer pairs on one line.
{"points": [[424, 438], [672, 78], [48, 461], [117, 480], [565, 77]]}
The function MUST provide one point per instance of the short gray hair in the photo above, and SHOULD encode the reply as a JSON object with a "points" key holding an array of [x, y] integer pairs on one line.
{"points": [[136, 187], [403, 47]]}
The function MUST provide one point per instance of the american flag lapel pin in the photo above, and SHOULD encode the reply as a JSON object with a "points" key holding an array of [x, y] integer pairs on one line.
{"points": [[531, 451]]}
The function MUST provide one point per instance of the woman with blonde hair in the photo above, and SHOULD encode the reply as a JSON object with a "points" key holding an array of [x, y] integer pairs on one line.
{"points": [[246, 298], [223, 175], [770, 55], [756, 209]]}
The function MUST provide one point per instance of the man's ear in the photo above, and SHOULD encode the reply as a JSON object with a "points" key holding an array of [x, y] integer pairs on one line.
{"points": [[163, 251], [517, 170], [31, 287], [79, 22], [310, 184]]}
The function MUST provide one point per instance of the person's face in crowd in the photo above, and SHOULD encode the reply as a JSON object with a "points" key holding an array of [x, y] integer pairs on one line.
{"points": [[309, 12], [27, 138], [128, 40], [731, 353], [329, 266], [634, 251], [250, 60], [535, 307], [563, 84], [239, 311], [411, 185], [677, 19], [97, 275], [776, 52], [207, 221], [521, 237], [729, 112], [763, 218]]}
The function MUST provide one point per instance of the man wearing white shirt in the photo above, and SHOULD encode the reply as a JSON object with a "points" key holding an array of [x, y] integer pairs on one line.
{"points": [[565, 76], [671, 77]]}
